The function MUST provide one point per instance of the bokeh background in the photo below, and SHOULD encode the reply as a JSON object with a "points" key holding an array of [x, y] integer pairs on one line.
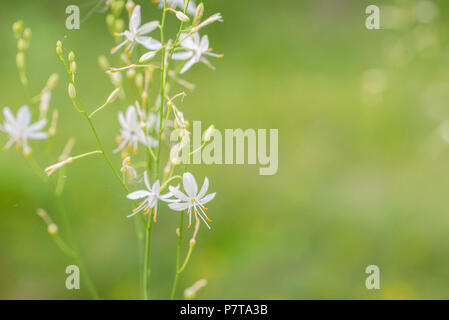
{"points": [[363, 119]]}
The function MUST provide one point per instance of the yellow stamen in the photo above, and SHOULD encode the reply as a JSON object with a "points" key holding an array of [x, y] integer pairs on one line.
{"points": [[154, 219], [209, 220], [135, 151]]}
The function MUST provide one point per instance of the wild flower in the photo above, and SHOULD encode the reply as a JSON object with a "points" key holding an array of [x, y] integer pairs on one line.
{"points": [[151, 197], [195, 50], [131, 133], [191, 9], [192, 201], [20, 129], [136, 33]]}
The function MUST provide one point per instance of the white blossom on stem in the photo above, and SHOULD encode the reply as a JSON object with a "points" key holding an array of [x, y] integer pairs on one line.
{"points": [[195, 50], [136, 33], [150, 196], [193, 200], [20, 129]]}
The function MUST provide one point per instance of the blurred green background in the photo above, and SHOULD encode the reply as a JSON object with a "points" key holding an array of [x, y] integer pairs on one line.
{"points": [[363, 156]]}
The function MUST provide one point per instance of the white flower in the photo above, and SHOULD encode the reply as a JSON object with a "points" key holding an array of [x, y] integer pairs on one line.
{"points": [[152, 195], [193, 200], [131, 131], [20, 128], [195, 50], [136, 32], [191, 9], [126, 166]]}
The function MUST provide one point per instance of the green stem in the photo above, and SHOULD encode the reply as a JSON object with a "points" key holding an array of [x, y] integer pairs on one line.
{"points": [[178, 257], [146, 268]]}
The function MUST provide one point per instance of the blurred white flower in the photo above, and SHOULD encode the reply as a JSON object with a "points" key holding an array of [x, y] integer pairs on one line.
{"points": [[193, 200], [126, 167], [152, 195], [136, 32], [191, 9], [131, 131], [20, 128], [195, 50]]}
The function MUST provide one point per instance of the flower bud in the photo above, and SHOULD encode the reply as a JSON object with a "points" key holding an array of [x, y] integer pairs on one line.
{"points": [[131, 73], [59, 44], [17, 27], [27, 34], [21, 45], [181, 16], [198, 14], [139, 81], [52, 81], [208, 133], [71, 56], [72, 91], [147, 56], [20, 60], [54, 121], [52, 229], [113, 96], [119, 26], [73, 67], [130, 6], [110, 20], [103, 62]]}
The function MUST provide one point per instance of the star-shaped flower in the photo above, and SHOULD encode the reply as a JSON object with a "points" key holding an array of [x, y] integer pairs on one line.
{"points": [[131, 131], [151, 197], [195, 50], [136, 34], [20, 129], [179, 3], [193, 200]]}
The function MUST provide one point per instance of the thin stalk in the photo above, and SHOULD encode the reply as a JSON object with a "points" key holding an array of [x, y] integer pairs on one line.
{"points": [[178, 257]]}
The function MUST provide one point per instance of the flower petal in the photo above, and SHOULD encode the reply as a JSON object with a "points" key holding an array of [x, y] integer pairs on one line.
{"points": [[207, 198], [188, 65], [178, 206], [138, 194], [148, 27], [23, 116], [38, 125], [134, 21], [203, 188], [147, 180], [190, 186], [178, 194], [182, 55], [149, 42]]}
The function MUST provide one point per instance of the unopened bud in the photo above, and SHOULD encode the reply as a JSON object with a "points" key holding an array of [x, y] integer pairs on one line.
{"points": [[21, 45], [181, 16], [208, 133], [147, 56], [103, 62], [198, 13], [54, 122], [71, 56], [119, 26], [27, 34], [52, 81], [139, 80], [52, 229], [131, 73], [73, 67], [113, 96], [20, 60], [72, 91], [59, 44], [110, 20], [130, 6], [17, 27]]}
